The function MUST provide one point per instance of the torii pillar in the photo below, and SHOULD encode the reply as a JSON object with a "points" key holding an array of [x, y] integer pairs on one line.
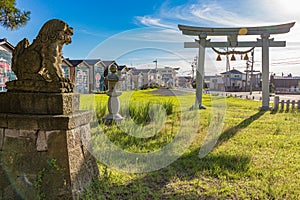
{"points": [[232, 35], [265, 72], [200, 71]]}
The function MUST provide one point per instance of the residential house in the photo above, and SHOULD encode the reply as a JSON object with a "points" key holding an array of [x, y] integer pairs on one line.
{"points": [[6, 73], [254, 80], [208, 81], [96, 74], [233, 80], [83, 82], [285, 84], [169, 76], [87, 74], [185, 81], [126, 78], [216, 83], [147, 77], [137, 78], [155, 78], [68, 70]]}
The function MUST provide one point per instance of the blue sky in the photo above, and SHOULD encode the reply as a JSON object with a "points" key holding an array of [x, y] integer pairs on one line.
{"points": [[137, 32]]}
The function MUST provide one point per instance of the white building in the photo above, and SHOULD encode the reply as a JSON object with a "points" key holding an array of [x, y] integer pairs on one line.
{"points": [[169, 76]]}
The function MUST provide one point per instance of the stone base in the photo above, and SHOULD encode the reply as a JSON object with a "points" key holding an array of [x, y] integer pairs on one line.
{"points": [[200, 107], [39, 103], [265, 108], [39, 86], [45, 156], [112, 118]]}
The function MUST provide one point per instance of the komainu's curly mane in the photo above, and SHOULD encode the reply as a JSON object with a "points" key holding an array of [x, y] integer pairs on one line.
{"points": [[41, 60]]}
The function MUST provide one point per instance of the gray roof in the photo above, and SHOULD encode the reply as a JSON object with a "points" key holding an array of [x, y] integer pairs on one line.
{"points": [[92, 61], [121, 67], [233, 71], [5, 42], [75, 62], [108, 62], [136, 71]]}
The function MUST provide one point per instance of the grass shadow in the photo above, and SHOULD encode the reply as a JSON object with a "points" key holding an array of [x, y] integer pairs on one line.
{"points": [[274, 111], [213, 164], [188, 168], [229, 133]]}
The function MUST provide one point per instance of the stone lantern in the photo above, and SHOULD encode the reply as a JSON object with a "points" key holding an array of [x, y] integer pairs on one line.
{"points": [[113, 101]]}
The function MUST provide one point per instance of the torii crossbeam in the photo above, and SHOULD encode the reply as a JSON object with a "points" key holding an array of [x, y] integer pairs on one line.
{"points": [[232, 41]]}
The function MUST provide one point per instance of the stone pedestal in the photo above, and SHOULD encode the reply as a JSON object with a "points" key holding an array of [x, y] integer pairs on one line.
{"points": [[45, 149], [113, 108]]}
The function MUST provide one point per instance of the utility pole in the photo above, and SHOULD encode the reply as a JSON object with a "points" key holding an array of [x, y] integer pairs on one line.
{"points": [[252, 63], [247, 70]]}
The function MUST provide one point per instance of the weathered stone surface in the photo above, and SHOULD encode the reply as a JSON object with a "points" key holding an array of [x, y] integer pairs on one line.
{"points": [[45, 122], [14, 144], [41, 142], [83, 166], [1, 138], [39, 86], [25, 122], [39, 103], [22, 161], [3, 120], [28, 134], [12, 133], [38, 65], [30, 142]]}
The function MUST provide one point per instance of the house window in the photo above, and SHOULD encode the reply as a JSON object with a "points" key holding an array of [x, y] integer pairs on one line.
{"points": [[65, 71], [99, 78], [82, 81]]}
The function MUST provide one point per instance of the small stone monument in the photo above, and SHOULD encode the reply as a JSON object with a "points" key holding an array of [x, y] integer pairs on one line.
{"points": [[45, 147], [113, 101]]}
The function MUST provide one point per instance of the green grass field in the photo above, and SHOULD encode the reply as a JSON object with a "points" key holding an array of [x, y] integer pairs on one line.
{"points": [[257, 155]]}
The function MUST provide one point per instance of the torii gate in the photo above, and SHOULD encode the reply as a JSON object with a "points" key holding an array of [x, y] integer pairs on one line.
{"points": [[232, 35]]}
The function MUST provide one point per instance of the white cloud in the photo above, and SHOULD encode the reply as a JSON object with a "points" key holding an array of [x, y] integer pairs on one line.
{"points": [[199, 14], [218, 13], [150, 21]]}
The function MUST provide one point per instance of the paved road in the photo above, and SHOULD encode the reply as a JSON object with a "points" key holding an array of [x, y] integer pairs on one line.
{"points": [[257, 95]]}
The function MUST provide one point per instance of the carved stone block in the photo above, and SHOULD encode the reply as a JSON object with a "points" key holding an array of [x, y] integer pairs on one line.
{"points": [[39, 103], [26, 153]]}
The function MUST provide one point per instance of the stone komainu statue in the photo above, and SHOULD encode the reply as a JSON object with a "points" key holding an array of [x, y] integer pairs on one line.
{"points": [[38, 65]]}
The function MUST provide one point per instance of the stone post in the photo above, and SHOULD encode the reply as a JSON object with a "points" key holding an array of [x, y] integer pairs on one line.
{"points": [[282, 104], [287, 105], [276, 103], [293, 104]]}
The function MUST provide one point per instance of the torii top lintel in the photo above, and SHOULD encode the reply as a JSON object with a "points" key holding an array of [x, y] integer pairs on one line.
{"points": [[260, 30]]}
